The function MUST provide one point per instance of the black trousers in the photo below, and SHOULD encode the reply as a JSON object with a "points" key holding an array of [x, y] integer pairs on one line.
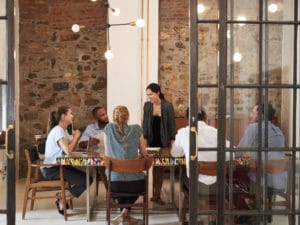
{"points": [[128, 187], [76, 177]]}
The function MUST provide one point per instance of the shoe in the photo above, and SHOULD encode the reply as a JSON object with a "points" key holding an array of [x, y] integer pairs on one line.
{"points": [[60, 211], [58, 196], [117, 220]]}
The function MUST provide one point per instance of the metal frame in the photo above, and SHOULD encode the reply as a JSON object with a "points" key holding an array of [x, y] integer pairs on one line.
{"points": [[10, 210], [223, 87]]}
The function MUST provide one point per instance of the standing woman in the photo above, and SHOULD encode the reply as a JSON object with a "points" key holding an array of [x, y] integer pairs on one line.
{"points": [[125, 141], [159, 130], [60, 142]]}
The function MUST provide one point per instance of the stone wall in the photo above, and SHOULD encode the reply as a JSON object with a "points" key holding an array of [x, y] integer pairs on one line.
{"points": [[174, 53], [174, 57], [59, 67]]}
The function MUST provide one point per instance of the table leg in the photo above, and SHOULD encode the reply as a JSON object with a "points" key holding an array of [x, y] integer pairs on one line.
{"points": [[88, 212], [172, 183]]}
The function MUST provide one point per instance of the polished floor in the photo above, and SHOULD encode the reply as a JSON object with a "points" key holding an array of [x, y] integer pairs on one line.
{"points": [[45, 211]]}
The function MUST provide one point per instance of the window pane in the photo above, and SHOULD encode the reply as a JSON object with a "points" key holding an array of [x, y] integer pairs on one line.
{"points": [[278, 50], [3, 52], [2, 7], [243, 10], [243, 50], [207, 54], [208, 9], [272, 10]]}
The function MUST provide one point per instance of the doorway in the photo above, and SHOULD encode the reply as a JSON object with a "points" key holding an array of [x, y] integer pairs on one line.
{"points": [[7, 116], [244, 59]]}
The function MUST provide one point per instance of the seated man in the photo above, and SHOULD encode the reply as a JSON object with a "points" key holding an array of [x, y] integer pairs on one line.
{"points": [[207, 138], [92, 138], [275, 138], [94, 133]]}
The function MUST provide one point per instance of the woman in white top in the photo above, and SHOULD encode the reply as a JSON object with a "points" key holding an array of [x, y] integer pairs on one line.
{"points": [[60, 142]]}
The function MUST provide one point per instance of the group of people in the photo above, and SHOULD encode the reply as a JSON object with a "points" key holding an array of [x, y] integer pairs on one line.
{"points": [[207, 138], [118, 139]]}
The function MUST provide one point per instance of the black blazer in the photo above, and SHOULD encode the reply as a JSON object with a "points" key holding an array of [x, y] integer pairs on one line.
{"points": [[167, 124]]}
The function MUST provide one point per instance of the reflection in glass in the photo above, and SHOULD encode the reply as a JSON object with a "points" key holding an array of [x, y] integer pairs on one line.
{"points": [[207, 9], [243, 54], [208, 53], [3, 52], [3, 8]]}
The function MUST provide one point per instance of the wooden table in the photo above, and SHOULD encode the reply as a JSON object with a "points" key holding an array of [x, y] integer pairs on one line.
{"points": [[92, 159]]}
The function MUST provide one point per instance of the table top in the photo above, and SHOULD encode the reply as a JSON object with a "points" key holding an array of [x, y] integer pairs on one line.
{"points": [[160, 158]]}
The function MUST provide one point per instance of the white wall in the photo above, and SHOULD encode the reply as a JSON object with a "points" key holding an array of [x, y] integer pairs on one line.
{"points": [[128, 72]]}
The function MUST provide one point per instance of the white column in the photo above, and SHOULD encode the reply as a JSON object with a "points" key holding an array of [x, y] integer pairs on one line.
{"points": [[133, 65]]}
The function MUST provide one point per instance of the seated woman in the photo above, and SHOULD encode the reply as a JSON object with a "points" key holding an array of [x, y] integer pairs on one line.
{"points": [[60, 142], [125, 141]]}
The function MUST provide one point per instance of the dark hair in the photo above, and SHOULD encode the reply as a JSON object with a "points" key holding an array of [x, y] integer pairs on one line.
{"points": [[156, 89], [55, 116], [94, 111], [201, 115], [270, 111]]}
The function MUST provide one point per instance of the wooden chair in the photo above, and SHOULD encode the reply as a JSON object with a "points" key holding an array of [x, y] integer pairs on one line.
{"points": [[208, 168], [273, 166], [280, 166], [35, 182], [127, 166]]}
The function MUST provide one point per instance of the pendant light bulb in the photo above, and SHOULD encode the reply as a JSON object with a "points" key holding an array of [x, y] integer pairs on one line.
{"points": [[115, 11], [109, 53]]}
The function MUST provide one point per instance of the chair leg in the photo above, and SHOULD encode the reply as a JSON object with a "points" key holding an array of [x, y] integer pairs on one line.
{"points": [[108, 209], [25, 202], [63, 198], [184, 208], [33, 194]]}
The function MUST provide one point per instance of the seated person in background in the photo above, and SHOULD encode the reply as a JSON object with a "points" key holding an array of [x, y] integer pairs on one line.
{"points": [[94, 133], [207, 138], [125, 141], [58, 143], [275, 139], [93, 137]]}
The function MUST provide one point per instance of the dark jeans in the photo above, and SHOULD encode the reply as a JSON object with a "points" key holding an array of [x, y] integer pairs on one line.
{"points": [[76, 177]]}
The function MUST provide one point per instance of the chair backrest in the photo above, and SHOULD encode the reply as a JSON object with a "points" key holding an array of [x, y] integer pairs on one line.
{"points": [[273, 165], [209, 168], [128, 165]]}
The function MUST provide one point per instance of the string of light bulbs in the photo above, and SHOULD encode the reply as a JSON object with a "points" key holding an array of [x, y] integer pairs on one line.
{"points": [[115, 12]]}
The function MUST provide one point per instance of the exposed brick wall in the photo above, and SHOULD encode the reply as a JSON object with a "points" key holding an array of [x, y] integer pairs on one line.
{"points": [[174, 53], [59, 67]]}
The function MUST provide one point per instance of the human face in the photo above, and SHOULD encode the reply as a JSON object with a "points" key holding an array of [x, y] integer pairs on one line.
{"points": [[101, 116], [68, 118], [152, 96], [254, 114]]}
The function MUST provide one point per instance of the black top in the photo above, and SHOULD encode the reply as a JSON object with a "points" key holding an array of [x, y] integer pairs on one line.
{"points": [[156, 141]]}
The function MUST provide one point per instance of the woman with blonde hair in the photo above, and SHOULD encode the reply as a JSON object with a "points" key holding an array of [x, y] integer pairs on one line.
{"points": [[125, 141]]}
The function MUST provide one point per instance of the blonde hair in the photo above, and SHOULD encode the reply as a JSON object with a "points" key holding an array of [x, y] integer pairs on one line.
{"points": [[120, 117]]}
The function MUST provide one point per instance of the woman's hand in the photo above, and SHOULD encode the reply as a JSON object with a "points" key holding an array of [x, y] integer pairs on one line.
{"points": [[76, 134]]}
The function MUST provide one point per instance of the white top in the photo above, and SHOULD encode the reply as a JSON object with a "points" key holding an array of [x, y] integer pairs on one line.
{"points": [[207, 137], [53, 149]]}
